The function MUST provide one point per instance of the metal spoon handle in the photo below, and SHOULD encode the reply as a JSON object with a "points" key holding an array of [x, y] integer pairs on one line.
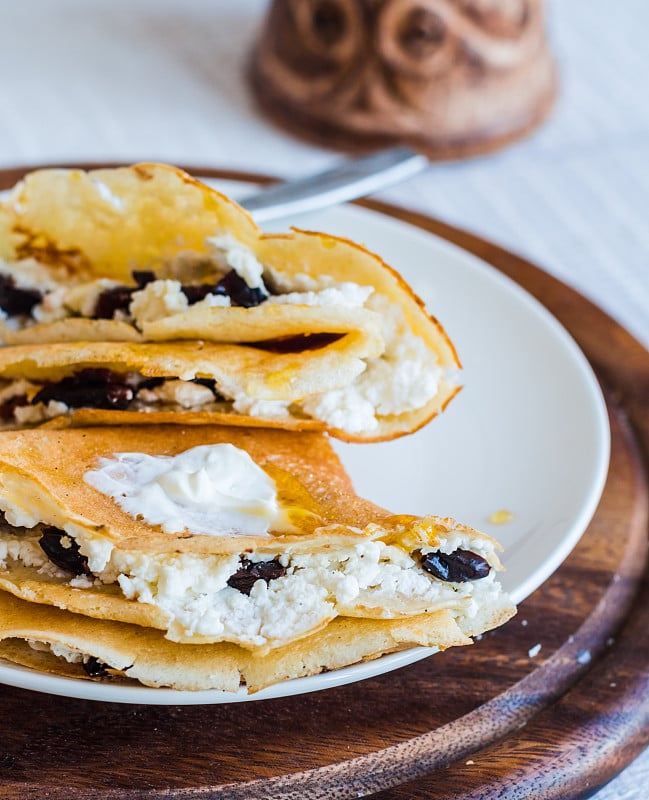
{"points": [[354, 178]]}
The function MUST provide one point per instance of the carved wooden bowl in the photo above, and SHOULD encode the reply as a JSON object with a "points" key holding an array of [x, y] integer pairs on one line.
{"points": [[449, 77]]}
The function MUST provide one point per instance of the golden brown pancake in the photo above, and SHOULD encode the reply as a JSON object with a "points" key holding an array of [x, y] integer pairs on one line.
{"points": [[237, 371], [63, 230], [58, 642], [328, 555]]}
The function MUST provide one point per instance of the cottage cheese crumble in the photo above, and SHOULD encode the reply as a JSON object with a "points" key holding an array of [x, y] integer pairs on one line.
{"points": [[185, 394], [240, 258], [193, 590], [403, 379], [158, 299], [343, 295]]}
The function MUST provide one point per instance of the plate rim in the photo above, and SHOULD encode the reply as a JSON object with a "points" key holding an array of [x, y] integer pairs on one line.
{"points": [[32, 679]]}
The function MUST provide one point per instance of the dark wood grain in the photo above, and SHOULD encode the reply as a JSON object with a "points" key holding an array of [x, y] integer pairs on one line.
{"points": [[549, 727]]}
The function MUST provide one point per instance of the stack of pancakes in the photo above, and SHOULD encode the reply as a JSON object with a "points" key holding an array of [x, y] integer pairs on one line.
{"points": [[144, 313]]}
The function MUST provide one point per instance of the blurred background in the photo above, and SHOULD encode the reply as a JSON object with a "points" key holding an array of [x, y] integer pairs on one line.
{"points": [[136, 79]]}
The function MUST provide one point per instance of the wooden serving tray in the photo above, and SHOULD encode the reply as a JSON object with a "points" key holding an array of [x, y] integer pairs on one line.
{"points": [[482, 722]]}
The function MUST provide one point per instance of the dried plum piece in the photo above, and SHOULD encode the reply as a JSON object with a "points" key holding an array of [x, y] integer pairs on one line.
{"points": [[66, 555], [232, 285], [143, 277], [300, 343], [112, 300], [101, 375], [239, 292], [89, 388], [107, 397], [15, 300], [119, 297], [94, 668], [252, 571], [456, 567], [195, 292]]}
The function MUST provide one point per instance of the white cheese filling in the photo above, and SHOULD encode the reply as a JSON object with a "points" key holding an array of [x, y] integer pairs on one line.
{"points": [[239, 258], [26, 550], [192, 588], [165, 298], [59, 650], [185, 394], [171, 395], [345, 295], [31, 274], [78, 300], [69, 654], [30, 414], [158, 299], [405, 378]]}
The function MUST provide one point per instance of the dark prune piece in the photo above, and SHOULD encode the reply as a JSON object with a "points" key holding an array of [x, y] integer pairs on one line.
{"points": [[143, 277], [195, 292], [112, 300], [98, 375], [119, 297], [456, 567], [239, 292], [14, 300], [209, 383], [251, 571], [113, 396], [65, 557], [89, 388], [297, 344], [9, 406], [94, 668]]}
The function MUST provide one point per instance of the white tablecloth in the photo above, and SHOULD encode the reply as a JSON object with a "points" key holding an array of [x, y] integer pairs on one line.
{"points": [[163, 80]]}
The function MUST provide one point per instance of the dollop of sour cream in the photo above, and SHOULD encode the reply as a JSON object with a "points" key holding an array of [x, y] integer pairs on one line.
{"points": [[214, 489]]}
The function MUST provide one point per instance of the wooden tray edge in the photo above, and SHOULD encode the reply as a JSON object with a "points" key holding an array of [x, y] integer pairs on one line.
{"points": [[622, 377]]}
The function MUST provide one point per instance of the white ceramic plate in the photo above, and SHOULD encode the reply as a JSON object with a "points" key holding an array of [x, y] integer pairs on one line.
{"points": [[528, 434]]}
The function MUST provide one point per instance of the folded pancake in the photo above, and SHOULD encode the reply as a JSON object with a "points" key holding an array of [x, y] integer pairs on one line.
{"points": [[218, 534], [69, 645], [103, 383], [148, 254]]}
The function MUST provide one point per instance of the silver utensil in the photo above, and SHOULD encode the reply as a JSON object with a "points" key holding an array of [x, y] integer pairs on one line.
{"points": [[354, 178]]}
